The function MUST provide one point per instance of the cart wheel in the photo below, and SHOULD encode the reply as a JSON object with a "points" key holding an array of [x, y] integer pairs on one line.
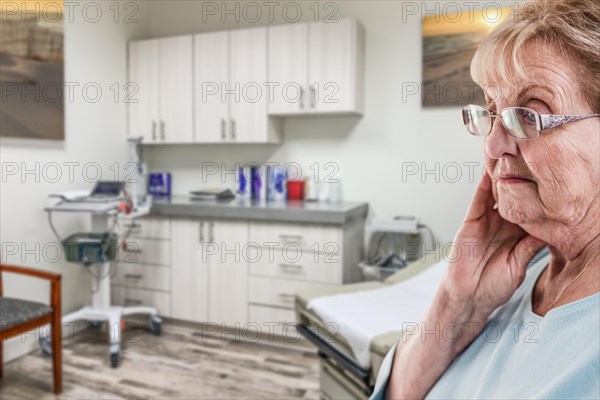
{"points": [[45, 346], [114, 360], [155, 325]]}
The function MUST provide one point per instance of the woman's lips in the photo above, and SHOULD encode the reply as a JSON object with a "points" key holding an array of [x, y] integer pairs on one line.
{"points": [[513, 179]]}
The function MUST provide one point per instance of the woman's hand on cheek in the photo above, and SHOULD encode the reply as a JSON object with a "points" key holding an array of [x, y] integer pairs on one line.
{"points": [[489, 257]]}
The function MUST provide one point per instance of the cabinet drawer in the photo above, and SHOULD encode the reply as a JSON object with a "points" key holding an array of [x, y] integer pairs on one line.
{"points": [[142, 276], [321, 238], [131, 297], [151, 228], [280, 321], [146, 251], [278, 292], [299, 265]]}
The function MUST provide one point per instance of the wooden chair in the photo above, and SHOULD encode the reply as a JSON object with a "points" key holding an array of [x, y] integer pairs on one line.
{"points": [[20, 316]]}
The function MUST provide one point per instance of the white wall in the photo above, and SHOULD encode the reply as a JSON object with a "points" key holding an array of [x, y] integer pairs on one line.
{"points": [[369, 151], [94, 133]]}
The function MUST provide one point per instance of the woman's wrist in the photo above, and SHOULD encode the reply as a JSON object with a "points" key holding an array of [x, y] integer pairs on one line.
{"points": [[458, 321]]}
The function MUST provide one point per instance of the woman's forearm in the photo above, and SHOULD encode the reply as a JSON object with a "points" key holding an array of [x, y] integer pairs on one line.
{"points": [[425, 352]]}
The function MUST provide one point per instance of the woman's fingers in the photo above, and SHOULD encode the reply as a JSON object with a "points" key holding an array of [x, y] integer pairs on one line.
{"points": [[483, 201]]}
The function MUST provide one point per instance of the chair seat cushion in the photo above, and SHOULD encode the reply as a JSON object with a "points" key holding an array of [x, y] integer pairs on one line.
{"points": [[16, 311]]}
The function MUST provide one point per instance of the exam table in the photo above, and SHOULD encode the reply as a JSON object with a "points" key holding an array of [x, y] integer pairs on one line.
{"points": [[341, 375]]}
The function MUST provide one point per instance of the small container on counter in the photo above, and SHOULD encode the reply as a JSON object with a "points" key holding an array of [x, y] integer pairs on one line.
{"points": [[295, 189]]}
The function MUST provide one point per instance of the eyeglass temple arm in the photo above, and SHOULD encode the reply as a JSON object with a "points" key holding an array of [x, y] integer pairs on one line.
{"points": [[552, 121]]}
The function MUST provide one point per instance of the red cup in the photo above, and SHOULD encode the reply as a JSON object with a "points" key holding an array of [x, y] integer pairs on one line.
{"points": [[295, 190]]}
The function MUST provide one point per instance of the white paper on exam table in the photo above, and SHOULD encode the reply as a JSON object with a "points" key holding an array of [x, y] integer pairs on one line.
{"points": [[361, 316]]}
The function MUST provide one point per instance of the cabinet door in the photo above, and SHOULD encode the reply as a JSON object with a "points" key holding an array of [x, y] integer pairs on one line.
{"points": [[143, 90], [228, 273], [288, 69], [189, 271], [211, 78], [176, 90], [248, 66], [335, 66]]}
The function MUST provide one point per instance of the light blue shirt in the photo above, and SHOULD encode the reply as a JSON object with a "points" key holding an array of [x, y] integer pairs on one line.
{"points": [[520, 355]]}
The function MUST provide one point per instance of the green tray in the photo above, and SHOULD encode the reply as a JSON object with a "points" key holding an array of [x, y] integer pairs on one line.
{"points": [[90, 248]]}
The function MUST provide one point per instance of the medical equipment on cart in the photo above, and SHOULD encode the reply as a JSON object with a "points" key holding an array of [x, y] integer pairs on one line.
{"points": [[96, 250]]}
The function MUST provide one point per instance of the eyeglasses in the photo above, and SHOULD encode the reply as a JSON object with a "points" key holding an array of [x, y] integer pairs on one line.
{"points": [[520, 122]]}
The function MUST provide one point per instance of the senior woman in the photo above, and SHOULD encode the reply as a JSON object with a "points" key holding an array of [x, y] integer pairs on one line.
{"points": [[502, 326]]}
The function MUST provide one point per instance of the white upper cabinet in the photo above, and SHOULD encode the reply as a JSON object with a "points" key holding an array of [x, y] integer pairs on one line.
{"points": [[318, 67], [230, 92], [248, 67], [230, 87], [162, 72], [336, 66], [176, 90], [211, 76], [288, 74], [144, 89]]}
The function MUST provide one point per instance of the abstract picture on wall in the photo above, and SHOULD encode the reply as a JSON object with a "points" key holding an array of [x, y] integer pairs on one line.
{"points": [[449, 44], [32, 69]]}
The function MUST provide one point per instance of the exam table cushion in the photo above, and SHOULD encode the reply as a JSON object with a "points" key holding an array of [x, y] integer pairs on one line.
{"points": [[381, 343], [16, 311], [306, 295]]}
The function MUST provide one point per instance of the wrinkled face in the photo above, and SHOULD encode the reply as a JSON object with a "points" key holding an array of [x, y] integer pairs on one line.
{"points": [[554, 178]]}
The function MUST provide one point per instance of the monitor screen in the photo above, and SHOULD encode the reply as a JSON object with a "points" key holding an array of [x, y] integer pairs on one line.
{"points": [[112, 189]]}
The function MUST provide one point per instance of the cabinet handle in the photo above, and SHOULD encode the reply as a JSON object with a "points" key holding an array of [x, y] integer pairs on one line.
{"points": [[135, 250], [286, 296], [162, 130], [291, 237], [223, 128], [301, 98], [133, 302], [133, 276], [153, 130], [232, 129], [313, 96], [211, 232], [293, 267], [201, 232], [133, 226]]}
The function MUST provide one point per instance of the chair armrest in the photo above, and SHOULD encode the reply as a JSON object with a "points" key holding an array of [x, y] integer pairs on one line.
{"points": [[50, 276], [54, 278]]}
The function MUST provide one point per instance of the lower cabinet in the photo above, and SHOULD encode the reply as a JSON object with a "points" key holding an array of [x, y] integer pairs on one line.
{"points": [[237, 273], [141, 275], [209, 281], [227, 273], [189, 271]]}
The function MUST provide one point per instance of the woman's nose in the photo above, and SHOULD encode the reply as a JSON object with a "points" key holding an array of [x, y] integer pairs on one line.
{"points": [[499, 143]]}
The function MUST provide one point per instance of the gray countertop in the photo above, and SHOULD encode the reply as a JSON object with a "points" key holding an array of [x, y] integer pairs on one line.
{"points": [[291, 211]]}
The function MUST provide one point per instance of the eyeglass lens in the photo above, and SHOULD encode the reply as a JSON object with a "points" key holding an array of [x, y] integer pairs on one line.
{"points": [[519, 122]]}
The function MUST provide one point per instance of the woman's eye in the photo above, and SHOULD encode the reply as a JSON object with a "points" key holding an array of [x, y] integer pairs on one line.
{"points": [[530, 117], [527, 117]]}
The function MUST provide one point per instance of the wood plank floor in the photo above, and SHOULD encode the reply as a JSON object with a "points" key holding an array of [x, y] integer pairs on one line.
{"points": [[181, 363]]}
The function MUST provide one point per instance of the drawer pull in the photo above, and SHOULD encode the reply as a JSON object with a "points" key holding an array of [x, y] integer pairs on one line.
{"points": [[133, 276], [286, 296], [291, 237], [291, 267], [133, 302], [133, 226]]}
